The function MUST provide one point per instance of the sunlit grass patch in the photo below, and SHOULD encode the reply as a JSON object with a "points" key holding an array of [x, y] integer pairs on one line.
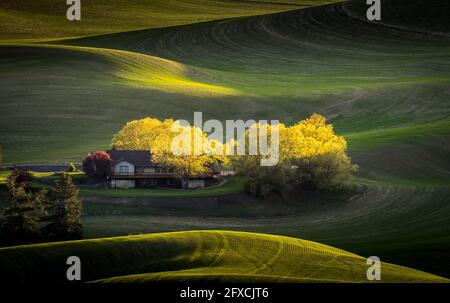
{"points": [[199, 255], [142, 71]]}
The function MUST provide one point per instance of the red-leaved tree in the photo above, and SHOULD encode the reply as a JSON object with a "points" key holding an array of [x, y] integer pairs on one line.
{"points": [[97, 164]]}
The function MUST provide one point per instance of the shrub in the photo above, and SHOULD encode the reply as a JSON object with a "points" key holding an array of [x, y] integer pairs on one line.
{"points": [[265, 181], [97, 164], [328, 171], [71, 168]]}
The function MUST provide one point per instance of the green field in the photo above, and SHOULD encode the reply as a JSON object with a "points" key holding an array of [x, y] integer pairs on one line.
{"points": [[230, 185], [198, 256], [47, 18], [384, 86], [403, 225], [282, 66]]}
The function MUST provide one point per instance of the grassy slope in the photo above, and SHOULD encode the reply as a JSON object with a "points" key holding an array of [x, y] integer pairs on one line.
{"points": [[198, 255], [313, 51], [278, 66], [21, 19], [401, 224], [386, 89]]}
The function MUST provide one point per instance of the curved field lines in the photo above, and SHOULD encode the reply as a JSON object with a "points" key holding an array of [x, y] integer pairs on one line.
{"points": [[363, 76], [400, 224], [47, 18], [320, 50], [385, 86], [143, 71], [202, 256]]}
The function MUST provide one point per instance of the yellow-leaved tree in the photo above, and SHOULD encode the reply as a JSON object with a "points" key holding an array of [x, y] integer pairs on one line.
{"points": [[308, 138], [311, 156], [145, 134], [186, 155], [195, 157]]}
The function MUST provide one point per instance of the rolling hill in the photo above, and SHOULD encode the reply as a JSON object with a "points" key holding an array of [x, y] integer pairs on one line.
{"points": [[384, 85], [284, 66], [197, 256], [404, 224], [47, 18]]}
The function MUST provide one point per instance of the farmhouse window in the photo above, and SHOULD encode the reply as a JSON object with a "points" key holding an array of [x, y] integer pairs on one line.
{"points": [[123, 169]]}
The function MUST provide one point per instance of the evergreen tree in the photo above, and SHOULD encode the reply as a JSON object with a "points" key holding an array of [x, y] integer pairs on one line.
{"points": [[64, 211], [20, 178], [23, 212]]}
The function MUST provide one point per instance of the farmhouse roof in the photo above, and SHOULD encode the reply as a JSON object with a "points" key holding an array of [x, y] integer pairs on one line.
{"points": [[135, 157]]}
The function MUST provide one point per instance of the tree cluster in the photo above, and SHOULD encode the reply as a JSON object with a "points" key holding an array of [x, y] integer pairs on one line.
{"points": [[160, 138], [312, 157], [32, 216]]}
